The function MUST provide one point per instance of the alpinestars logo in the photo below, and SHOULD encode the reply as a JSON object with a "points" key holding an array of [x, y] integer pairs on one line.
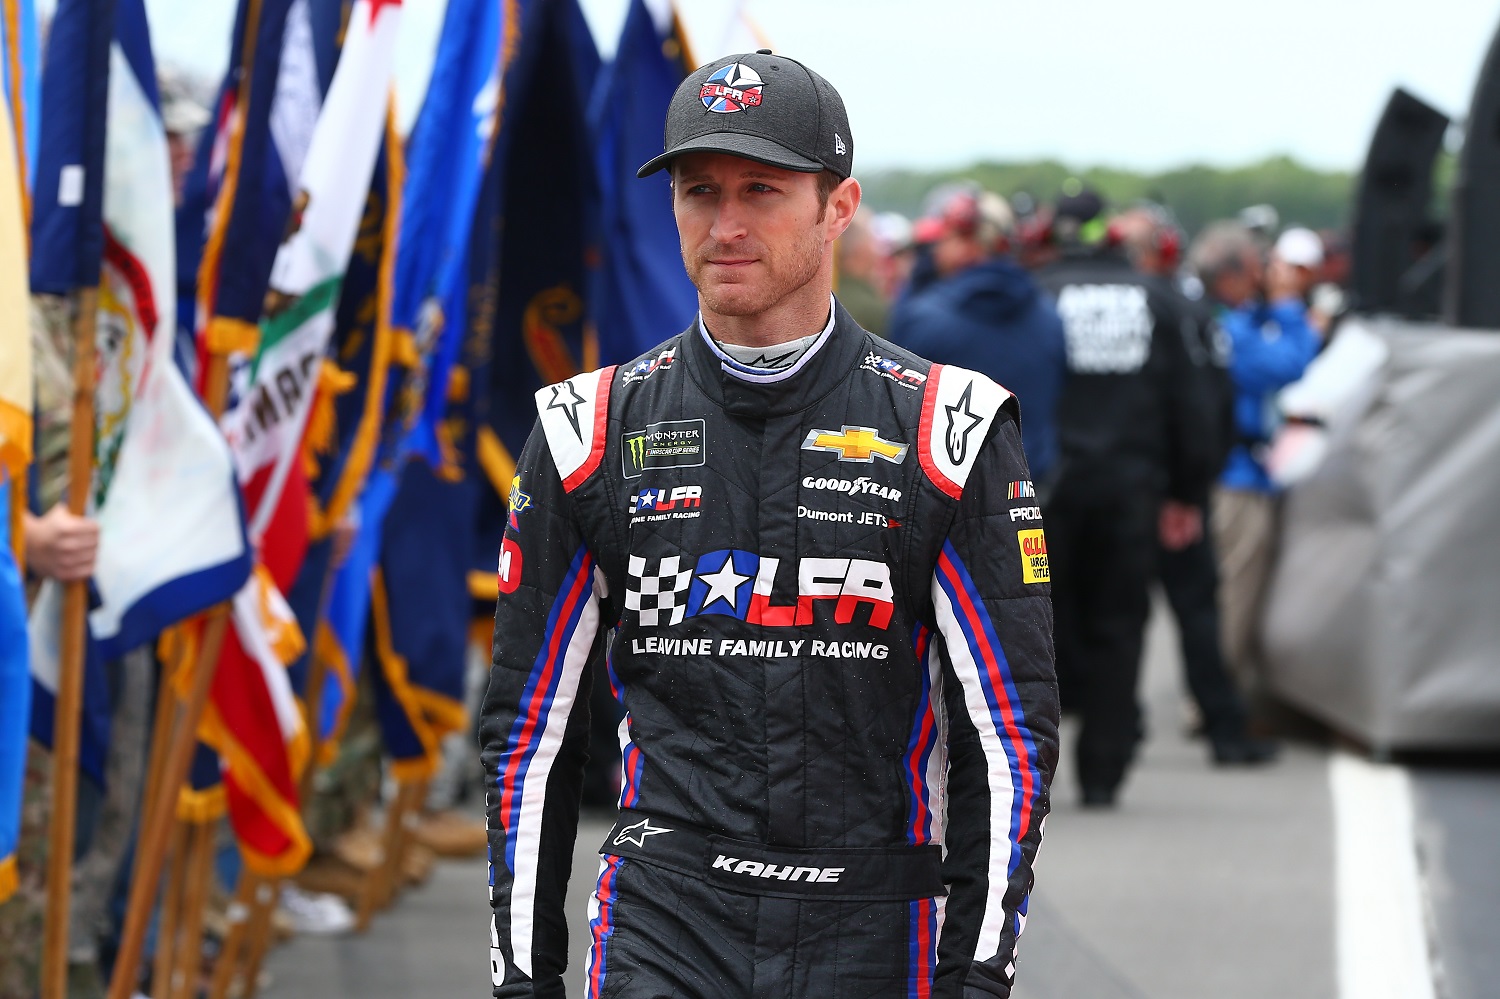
{"points": [[566, 398], [733, 88], [739, 584], [961, 422]]}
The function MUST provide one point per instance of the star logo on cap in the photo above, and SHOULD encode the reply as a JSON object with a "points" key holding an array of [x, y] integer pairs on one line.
{"points": [[733, 88]]}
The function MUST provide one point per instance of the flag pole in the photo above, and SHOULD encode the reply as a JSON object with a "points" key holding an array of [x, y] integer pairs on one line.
{"points": [[69, 704], [188, 957], [171, 910], [161, 812]]}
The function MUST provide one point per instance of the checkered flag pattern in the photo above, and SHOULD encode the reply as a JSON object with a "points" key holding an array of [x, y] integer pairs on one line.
{"points": [[658, 598]]}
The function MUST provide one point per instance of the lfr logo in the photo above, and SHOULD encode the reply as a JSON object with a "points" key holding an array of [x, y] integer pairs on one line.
{"points": [[733, 88], [662, 500], [739, 584]]}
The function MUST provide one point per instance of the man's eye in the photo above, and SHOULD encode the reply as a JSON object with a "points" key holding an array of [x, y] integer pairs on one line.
{"points": [[762, 188], [699, 189]]}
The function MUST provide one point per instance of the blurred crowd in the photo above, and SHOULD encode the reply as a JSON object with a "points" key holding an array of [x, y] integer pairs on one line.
{"points": [[1147, 365]]}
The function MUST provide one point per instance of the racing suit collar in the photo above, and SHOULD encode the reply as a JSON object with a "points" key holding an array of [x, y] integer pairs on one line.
{"points": [[743, 392]]}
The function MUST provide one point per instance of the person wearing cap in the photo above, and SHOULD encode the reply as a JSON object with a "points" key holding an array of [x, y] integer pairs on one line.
{"points": [[811, 566], [1271, 344], [1134, 429], [1186, 566], [984, 310]]}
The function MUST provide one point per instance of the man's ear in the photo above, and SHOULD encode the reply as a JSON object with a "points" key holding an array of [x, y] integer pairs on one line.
{"points": [[843, 202]]}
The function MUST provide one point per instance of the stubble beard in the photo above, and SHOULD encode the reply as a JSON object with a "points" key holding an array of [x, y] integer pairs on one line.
{"points": [[785, 275]]}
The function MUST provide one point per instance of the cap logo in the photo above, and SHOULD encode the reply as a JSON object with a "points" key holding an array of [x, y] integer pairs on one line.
{"points": [[733, 88], [838, 144]]}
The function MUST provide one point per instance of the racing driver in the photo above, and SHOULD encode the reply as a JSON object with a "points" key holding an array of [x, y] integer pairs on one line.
{"points": [[812, 567]]}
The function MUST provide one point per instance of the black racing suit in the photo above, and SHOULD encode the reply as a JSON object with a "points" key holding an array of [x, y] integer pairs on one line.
{"points": [[821, 597], [1134, 427]]}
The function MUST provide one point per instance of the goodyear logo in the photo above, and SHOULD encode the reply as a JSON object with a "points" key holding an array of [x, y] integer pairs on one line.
{"points": [[672, 444], [1034, 568], [862, 444]]}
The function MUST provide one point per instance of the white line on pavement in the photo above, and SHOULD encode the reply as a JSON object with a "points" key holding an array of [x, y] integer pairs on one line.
{"points": [[1381, 935]]}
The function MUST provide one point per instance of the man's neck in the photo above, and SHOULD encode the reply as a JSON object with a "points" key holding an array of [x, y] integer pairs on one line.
{"points": [[800, 314]]}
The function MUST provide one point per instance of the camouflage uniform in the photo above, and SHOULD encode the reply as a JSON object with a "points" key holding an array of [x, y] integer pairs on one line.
{"points": [[343, 791], [21, 917]]}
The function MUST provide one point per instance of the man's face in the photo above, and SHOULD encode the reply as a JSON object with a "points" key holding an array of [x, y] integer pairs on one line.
{"points": [[751, 234], [1235, 288], [952, 253]]}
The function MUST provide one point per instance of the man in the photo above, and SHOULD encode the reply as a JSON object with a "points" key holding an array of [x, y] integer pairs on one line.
{"points": [[859, 265], [831, 627], [987, 312], [1271, 343], [1131, 425], [1185, 560]]}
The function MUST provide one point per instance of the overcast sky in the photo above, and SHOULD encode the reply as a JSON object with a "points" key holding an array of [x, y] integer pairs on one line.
{"points": [[1138, 83]]}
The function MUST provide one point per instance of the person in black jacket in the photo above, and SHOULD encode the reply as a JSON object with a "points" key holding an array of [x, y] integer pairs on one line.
{"points": [[1186, 564], [1132, 427], [810, 565], [988, 313]]}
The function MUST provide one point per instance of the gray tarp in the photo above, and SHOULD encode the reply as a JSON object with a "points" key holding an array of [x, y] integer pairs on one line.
{"points": [[1383, 615]]}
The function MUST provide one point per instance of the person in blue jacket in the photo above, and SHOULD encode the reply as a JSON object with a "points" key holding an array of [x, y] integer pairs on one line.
{"points": [[984, 312], [1271, 343]]}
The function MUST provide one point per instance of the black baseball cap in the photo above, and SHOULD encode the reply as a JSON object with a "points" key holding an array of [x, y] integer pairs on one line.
{"points": [[761, 106]]}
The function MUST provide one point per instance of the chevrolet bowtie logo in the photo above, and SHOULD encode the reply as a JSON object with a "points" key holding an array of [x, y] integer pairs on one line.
{"points": [[855, 444]]}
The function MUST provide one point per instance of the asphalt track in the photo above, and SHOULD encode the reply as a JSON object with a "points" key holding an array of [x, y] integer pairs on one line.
{"points": [[1323, 877]]}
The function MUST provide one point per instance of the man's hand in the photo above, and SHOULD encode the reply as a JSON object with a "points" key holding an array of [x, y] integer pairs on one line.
{"points": [[1179, 525], [61, 546], [1282, 281]]}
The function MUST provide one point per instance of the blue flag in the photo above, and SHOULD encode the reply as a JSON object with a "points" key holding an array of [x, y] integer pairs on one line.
{"points": [[30, 48], [446, 157], [535, 225], [67, 232], [642, 295], [15, 699]]}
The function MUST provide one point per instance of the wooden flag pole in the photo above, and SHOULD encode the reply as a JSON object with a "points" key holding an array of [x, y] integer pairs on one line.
{"points": [[240, 913], [153, 840], [260, 939], [171, 909], [160, 812], [189, 951], [70, 667]]}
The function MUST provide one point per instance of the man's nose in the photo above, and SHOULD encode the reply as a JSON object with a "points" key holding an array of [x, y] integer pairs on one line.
{"points": [[729, 221]]}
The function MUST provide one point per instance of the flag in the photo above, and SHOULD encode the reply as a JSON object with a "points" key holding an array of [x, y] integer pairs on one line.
{"points": [[67, 231], [345, 431], [540, 178], [22, 75], [15, 340], [446, 157], [15, 695], [642, 295], [15, 452], [171, 533], [265, 428]]}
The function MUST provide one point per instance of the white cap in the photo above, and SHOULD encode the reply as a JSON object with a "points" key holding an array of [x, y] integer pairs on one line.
{"points": [[1300, 248]]}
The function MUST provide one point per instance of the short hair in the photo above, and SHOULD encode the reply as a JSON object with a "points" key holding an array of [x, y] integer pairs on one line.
{"points": [[1220, 249]]}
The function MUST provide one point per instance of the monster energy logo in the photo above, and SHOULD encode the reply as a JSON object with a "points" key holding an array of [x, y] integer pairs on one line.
{"points": [[673, 444]]}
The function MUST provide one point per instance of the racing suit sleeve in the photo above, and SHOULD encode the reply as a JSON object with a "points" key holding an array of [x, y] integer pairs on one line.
{"points": [[533, 729], [993, 611]]}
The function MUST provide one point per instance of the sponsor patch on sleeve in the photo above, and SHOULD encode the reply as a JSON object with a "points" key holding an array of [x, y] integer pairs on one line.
{"points": [[1034, 568]]}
